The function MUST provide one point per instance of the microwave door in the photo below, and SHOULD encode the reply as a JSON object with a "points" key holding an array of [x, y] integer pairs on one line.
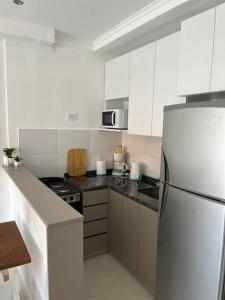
{"points": [[108, 118]]}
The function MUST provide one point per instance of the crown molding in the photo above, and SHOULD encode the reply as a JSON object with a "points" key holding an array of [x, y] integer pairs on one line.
{"points": [[79, 44], [143, 16]]}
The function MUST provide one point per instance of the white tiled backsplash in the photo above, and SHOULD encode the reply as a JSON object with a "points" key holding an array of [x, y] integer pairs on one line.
{"points": [[146, 150], [45, 151]]}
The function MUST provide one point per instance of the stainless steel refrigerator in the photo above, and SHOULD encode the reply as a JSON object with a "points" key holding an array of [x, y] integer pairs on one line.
{"points": [[190, 254]]}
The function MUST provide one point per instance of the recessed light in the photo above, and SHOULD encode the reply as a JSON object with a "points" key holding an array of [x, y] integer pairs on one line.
{"points": [[18, 2]]}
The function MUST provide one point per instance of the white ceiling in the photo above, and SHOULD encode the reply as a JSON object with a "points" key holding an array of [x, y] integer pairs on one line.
{"points": [[108, 26], [84, 19]]}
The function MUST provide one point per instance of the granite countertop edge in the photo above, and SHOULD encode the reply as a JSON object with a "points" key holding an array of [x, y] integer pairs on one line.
{"points": [[123, 186]]}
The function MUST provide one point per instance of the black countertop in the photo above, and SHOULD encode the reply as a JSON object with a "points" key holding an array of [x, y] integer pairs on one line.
{"points": [[124, 186]]}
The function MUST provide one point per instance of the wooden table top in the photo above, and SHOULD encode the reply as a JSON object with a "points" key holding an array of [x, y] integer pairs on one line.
{"points": [[13, 251]]}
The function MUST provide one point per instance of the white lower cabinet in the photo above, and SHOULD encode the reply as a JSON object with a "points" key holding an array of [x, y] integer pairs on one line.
{"points": [[133, 237]]}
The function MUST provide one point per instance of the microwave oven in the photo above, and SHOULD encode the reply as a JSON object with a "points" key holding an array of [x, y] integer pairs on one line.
{"points": [[115, 118]]}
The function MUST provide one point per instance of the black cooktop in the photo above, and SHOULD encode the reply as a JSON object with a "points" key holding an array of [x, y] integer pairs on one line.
{"points": [[59, 186]]}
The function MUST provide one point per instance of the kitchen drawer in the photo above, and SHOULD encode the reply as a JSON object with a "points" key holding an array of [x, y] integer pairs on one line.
{"points": [[96, 212], [95, 227], [95, 197], [95, 244]]}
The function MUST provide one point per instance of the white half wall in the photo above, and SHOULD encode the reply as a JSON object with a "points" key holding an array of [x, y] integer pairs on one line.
{"points": [[52, 232], [42, 86], [6, 207]]}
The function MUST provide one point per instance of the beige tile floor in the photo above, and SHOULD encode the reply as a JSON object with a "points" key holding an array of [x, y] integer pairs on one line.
{"points": [[106, 279]]}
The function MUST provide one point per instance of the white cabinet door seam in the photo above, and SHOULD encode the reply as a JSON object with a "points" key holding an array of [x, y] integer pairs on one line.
{"points": [[213, 51], [218, 73]]}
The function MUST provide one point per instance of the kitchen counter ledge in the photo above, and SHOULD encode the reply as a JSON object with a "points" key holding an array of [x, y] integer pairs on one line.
{"points": [[123, 186], [47, 205]]}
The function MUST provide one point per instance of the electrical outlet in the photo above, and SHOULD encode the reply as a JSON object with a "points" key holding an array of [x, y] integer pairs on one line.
{"points": [[72, 116]]}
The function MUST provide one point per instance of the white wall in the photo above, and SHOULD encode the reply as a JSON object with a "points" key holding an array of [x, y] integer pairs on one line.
{"points": [[45, 151], [146, 150], [29, 31], [3, 105], [43, 86]]}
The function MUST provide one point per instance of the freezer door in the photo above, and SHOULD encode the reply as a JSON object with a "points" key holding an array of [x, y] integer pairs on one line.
{"points": [[190, 247], [194, 149]]}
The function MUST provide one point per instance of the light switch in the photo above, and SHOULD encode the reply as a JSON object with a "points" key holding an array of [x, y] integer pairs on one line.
{"points": [[72, 116]]}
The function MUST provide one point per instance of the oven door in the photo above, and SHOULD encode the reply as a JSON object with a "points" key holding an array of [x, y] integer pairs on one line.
{"points": [[109, 118], [77, 206]]}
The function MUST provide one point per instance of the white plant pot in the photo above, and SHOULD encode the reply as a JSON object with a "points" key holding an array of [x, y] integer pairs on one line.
{"points": [[5, 161], [11, 161], [17, 164]]}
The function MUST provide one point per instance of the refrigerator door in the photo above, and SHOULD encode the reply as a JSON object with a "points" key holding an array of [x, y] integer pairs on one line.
{"points": [[194, 148], [190, 247]]}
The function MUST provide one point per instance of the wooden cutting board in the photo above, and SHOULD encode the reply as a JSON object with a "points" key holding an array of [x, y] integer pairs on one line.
{"points": [[77, 162]]}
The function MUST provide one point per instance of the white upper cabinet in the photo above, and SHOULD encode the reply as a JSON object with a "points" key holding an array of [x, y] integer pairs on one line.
{"points": [[218, 70], [142, 63], [196, 53], [107, 80], [117, 73], [166, 74]]}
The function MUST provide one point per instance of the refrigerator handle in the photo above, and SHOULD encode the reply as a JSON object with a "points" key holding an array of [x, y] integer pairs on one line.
{"points": [[163, 200], [166, 167], [165, 186]]}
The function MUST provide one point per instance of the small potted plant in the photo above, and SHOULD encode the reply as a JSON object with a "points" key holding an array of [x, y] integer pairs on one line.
{"points": [[8, 156], [17, 161]]}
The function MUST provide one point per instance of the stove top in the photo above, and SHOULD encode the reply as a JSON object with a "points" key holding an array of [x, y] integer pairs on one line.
{"points": [[59, 186], [70, 194], [56, 185]]}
